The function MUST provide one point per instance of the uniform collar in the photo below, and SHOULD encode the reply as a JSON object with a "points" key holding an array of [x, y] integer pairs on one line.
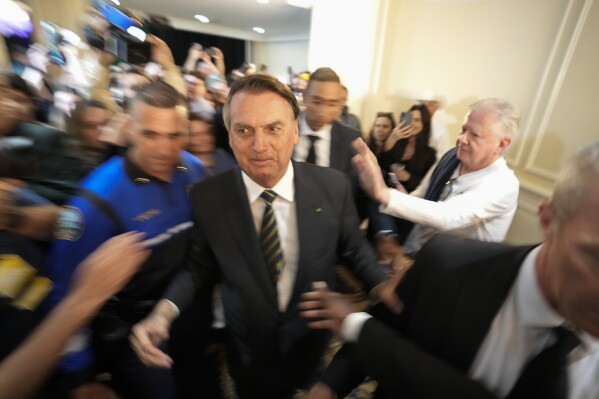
{"points": [[138, 176]]}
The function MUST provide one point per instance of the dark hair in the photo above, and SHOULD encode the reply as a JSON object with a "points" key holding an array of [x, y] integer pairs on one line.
{"points": [[424, 136], [160, 94], [324, 74], [256, 84], [371, 141], [196, 116], [16, 82], [74, 122]]}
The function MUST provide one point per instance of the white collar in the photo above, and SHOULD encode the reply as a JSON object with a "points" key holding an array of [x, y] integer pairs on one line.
{"points": [[284, 188], [324, 133], [533, 308]]}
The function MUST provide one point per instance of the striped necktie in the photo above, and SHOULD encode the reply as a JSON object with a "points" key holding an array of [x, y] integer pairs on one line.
{"points": [[269, 238]]}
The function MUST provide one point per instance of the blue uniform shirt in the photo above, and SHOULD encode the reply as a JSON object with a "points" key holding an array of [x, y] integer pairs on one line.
{"points": [[119, 197]]}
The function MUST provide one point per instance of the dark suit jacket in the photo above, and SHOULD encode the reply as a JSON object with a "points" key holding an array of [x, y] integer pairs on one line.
{"points": [[276, 350], [341, 149], [451, 296]]}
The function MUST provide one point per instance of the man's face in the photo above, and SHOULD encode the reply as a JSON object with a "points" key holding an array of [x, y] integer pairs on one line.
{"points": [[571, 263], [15, 106], [478, 145], [262, 133], [157, 139], [201, 139], [92, 121], [322, 103]]}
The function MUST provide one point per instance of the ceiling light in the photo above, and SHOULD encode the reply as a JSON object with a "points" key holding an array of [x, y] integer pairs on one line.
{"points": [[117, 2], [263, 1], [301, 3], [258, 29], [202, 18]]}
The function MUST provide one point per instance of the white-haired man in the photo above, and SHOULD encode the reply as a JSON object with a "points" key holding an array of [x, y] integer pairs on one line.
{"points": [[470, 193]]}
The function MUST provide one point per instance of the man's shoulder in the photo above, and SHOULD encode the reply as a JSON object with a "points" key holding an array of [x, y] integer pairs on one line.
{"points": [[319, 173], [106, 178], [228, 178], [450, 252], [345, 131]]}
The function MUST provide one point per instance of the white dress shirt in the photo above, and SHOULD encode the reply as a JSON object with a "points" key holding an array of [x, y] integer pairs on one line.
{"points": [[479, 205], [285, 211], [322, 146], [520, 330]]}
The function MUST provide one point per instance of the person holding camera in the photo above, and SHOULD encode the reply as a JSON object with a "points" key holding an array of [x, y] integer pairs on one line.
{"points": [[406, 154]]}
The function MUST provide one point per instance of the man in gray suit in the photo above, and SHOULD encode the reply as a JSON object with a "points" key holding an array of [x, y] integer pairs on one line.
{"points": [[266, 231]]}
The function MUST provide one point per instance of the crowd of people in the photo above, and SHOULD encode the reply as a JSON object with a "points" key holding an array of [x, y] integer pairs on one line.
{"points": [[162, 209]]}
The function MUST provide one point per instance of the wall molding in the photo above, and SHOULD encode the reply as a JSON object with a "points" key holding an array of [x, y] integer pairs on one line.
{"points": [[555, 92], [546, 96]]}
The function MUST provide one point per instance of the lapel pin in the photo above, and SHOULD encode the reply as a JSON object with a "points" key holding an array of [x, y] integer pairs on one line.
{"points": [[318, 210]]}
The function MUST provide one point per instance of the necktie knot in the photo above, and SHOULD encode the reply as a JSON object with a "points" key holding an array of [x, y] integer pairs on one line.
{"points": [[268, 196], [566, 339], [313, 138], [545, 375]]}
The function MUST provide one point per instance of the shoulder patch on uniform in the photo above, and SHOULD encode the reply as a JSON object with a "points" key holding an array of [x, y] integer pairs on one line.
{"points": [[70, 225]]}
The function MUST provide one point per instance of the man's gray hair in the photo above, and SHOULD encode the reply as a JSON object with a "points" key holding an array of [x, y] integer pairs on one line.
{"points": [[258, 84], [576, 179], [506, 114]]}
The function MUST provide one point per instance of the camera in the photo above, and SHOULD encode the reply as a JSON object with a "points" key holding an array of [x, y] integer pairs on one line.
{"points": [[126, 37], [17, 158], [127, 50]]}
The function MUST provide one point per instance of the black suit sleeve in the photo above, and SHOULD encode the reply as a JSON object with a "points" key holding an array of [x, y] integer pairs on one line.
{"points": [[401, 367], [355, 251], [200, 270]]}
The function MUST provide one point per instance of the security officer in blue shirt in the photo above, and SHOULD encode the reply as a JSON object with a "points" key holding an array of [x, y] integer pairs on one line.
{"points": [[145, 191]]}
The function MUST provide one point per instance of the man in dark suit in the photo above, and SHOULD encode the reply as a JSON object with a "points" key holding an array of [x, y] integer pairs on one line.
{"points": [[266, 231], [486, 320], [323, 140]]}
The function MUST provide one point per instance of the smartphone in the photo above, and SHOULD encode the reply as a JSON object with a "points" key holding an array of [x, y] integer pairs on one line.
{"points": [[393, 178], [405, 117], [210, 51], [129, 51]]}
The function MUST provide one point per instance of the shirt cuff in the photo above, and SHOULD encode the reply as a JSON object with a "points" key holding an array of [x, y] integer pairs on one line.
{"points": [[393, 194], [175, 309], [352, 326]]}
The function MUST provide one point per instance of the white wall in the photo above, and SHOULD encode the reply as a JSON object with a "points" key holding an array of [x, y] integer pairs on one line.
{"points": [[280, 55]]}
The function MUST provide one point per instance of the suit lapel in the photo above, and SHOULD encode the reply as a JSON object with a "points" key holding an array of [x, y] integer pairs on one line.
{"points": [[236, 208], [481, 296], [336, 147], [307, 202]]}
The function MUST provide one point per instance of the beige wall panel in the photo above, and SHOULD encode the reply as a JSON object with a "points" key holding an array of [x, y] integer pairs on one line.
{"points": [[571, 116]]}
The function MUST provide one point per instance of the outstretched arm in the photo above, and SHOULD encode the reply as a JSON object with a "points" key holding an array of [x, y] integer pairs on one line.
{"points": [[99, 276]]}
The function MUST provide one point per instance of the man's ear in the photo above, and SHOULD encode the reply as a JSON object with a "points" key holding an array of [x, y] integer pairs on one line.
{"points": [[503, 143], [546, 219]]}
